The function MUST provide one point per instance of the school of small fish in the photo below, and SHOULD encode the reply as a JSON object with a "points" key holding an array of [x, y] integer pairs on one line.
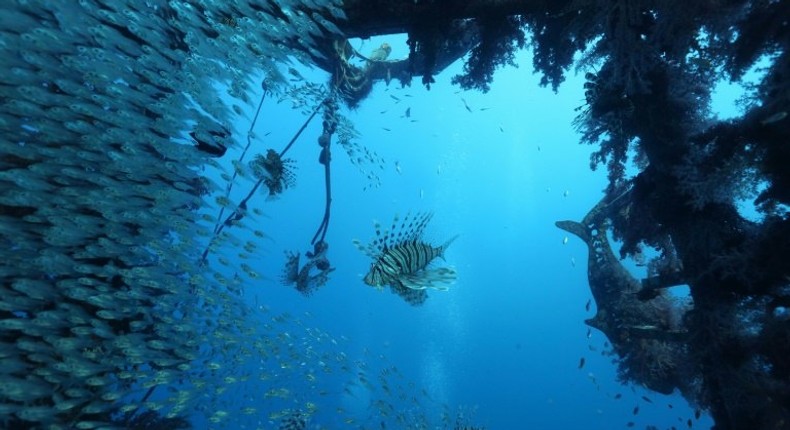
{"points": [[109, 314]]}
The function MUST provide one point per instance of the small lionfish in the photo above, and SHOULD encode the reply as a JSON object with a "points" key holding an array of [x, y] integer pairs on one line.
{"points": [[401, 259]]}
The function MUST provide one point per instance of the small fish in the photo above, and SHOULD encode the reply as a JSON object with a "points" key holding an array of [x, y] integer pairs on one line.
{"points": [[565, 240], [385, 129], [484, 108], [573, 262], [589, 333], [636, 410], [538, 148], [395, 98], [647, 399], [408, 112], [501, 129], [697, 413], [774, 118], [293, 72], [384, 111], [466, 105], [397, 167], [422, 193], [581, 362], [587, 305], [688, 423], [618, 396], [630, 424], [669, 405], [565, 193]]}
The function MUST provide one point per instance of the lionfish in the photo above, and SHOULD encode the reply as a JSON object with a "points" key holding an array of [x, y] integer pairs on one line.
{"points": [[401, 259]]}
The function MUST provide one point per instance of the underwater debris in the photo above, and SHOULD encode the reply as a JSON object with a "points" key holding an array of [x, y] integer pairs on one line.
{"points": [[351, 82], [354, 83], [401, 259]]}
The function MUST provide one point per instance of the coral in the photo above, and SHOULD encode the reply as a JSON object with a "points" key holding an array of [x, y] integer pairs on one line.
{"points": [[654, 364], [500, 37], [557, 34], [705, 176]]}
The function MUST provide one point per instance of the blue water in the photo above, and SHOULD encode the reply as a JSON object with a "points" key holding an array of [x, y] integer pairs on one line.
{"points": [[504, 343]]}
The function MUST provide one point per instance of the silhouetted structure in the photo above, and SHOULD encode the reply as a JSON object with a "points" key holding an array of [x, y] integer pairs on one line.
{"points": [[652, 68], [96, 90]]}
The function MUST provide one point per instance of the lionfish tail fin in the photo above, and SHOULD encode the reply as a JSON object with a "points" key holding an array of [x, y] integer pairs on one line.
{"points": [[446, 245]]}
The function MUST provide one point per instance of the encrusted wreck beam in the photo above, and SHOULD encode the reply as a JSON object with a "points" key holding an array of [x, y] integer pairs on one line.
{"points": [[641, 332]]}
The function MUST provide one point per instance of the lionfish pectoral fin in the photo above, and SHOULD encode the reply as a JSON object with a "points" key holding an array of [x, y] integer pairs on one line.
{"points": [[412, 282], [439, 279]]}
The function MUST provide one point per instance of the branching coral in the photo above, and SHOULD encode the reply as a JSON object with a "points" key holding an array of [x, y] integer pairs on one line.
{"points": [[500, 36], [707, 175], [652, 363], [560, 32]]}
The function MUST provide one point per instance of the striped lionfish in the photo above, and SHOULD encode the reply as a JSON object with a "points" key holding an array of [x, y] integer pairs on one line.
{"points": [[401, 259]]}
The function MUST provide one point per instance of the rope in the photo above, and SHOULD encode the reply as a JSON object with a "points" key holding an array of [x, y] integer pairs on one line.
{"points": [[238, 213], [241, 158], [329, 125]]}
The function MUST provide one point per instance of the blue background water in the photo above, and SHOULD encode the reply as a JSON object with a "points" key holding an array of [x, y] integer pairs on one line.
{"points": [[507, 338]]}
